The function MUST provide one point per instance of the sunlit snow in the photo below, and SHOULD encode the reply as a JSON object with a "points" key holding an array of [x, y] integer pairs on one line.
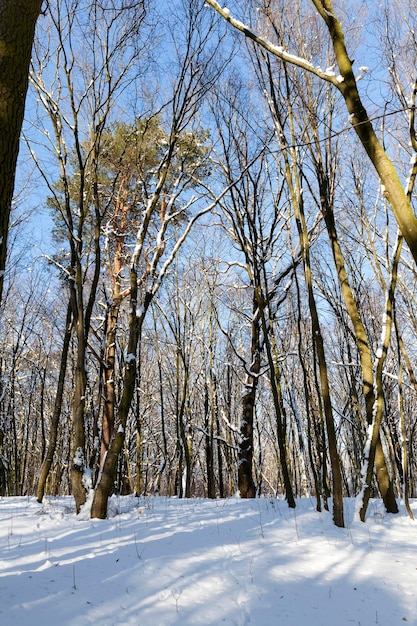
{"points": [[166, 562]]}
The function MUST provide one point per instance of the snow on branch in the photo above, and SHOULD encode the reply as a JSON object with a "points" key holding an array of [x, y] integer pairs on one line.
{"points": [[277, 51]]}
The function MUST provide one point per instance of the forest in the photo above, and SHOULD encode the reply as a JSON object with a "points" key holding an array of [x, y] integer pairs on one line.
{"points": [[210, 283]]}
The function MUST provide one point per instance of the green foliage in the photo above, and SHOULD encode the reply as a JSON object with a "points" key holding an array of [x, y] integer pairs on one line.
{"points": [[115, 177]]}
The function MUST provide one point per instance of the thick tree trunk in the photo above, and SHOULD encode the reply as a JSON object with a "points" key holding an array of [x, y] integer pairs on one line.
{"points": [[78, 484], [106, 479], [245, 454], [17, 27]]}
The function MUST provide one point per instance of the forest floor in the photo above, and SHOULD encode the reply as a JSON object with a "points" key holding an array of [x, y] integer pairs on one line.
{"points": [[168, 562]]}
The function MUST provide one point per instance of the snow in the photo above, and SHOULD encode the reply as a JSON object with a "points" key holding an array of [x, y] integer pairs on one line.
{"points": [[277, 50], [165, 562], [363, 70], [78, 459]]}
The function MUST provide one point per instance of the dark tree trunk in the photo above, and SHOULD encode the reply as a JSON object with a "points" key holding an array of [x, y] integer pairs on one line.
{"points": [[53, 432], [246, 483], [106, 480], [17, 27], [245, 456]]}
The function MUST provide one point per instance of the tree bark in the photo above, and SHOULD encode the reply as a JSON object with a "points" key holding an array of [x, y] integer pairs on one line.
{"points": [[53, 431], [338, 516], [275, 381], [246, 484], [375, 450], [17, 27], [105, 483], [377, 454]]}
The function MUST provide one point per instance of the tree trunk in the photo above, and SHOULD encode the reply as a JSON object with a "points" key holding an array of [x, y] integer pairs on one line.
{"points": [[311, 409], [292, 175], [108, 375], [405, 437], [219, 456], [246, 484], [274, 377], [377, 454], [17, 27], [338, 517], [208, 439], [245, 454], [375, 450], [78, 465], [106, 479], [53, 431]]}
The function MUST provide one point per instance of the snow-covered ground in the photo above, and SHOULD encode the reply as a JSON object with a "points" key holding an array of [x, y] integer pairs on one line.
{"points": [[166, 562]]}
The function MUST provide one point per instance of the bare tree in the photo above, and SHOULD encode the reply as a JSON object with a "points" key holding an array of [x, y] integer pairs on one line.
{"points": [[167, 215], [77, 96], [254, 222], [346, 83]]}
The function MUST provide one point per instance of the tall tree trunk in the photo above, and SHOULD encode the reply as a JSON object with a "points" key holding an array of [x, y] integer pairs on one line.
{"points": [[82, 312], [404, 438], [406, 443], [163, 463], [184, 442], [246, 484], [377, 455], [106, 479], [208, 439], [109, 376], [17, 27], [275, 381], [53, 431], [337, 485], [311, 409], [292, 174], [210, 414], [78, 467], [219, 455], [373, 459], [78, 464]]}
